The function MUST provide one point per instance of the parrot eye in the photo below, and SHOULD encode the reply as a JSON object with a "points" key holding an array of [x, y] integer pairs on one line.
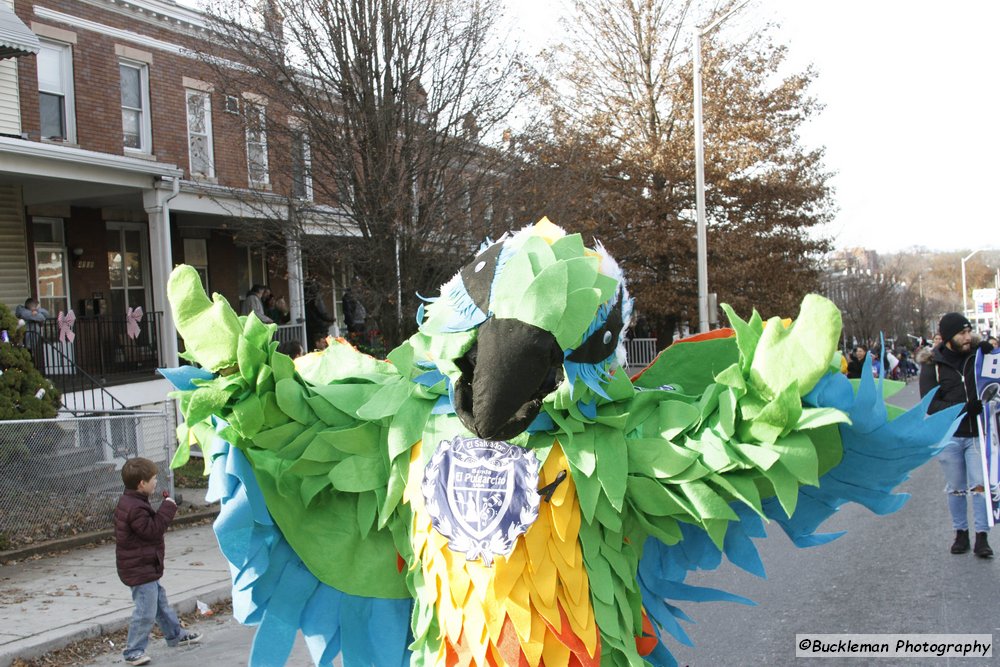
{"points": [[477, 276], [600, 344]]}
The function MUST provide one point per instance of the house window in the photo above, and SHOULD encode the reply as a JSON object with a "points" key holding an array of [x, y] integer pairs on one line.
{"points": [[199, 121], [256, 143], [55, 91], [135, 106], [301, 165]]}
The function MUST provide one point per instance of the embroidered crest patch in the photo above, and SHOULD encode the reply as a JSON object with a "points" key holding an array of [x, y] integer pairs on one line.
{"points": [[481, 495]]}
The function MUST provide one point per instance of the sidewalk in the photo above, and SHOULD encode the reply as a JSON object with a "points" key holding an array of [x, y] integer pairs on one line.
{"points": [[48, 603]]}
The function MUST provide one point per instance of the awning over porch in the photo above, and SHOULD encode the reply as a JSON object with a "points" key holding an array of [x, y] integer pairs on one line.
{"points": [[15, 38]]}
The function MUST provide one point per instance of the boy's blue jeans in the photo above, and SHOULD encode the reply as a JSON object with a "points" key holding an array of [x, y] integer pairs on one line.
{"points": [[963, 471], [150, 605]]}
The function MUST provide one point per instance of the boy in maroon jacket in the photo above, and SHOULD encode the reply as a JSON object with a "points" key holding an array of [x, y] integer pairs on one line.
{"points": [[139, 557]]}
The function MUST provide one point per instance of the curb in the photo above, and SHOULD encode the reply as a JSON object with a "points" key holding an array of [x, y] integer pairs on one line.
{"points": [[51, 640], [84, 539]]}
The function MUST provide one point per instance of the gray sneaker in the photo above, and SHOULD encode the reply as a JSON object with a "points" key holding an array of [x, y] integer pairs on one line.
{"points": [[189, 638], [141, 659]]}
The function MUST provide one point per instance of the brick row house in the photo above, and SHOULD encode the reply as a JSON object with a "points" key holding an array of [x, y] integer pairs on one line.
{"points": [[120, 158]]}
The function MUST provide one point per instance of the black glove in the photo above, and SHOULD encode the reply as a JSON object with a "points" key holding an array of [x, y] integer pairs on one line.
{"points": [[986, 347]]}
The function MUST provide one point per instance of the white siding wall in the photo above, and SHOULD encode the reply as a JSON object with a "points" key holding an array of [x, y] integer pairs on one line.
{"points": [[10, 113], [14, 286]]}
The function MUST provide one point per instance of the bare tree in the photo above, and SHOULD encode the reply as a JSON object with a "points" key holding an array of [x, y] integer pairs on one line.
{"points": [[386, 109], [617, 156]]}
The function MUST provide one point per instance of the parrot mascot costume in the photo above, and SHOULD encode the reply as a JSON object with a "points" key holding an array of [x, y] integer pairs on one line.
{"points": [[498, 491]]}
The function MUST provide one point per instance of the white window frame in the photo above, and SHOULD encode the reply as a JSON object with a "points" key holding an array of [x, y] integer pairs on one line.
{"points": [[145, 128], [209, 143], [306, 158], [252, 107], [66, 74]]}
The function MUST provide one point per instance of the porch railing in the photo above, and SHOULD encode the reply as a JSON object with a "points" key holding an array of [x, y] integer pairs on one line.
{"points": [[101, 348], [294, 331], [81, 392], [640, 351]]}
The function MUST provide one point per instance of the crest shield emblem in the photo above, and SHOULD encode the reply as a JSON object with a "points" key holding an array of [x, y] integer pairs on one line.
{"points": [[481, 495]]}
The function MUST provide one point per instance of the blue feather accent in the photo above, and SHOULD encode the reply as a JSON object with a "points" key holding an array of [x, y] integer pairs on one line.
{"points": [[465, 313], [273, 589]]}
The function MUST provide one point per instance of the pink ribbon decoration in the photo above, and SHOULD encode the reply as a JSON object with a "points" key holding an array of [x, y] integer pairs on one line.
{"points": [[66, 323], [132, 319]]}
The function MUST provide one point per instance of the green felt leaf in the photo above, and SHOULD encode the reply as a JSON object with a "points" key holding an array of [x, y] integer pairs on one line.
{"points": [[265, 379], [361, 440], [291, 397], [311, 487], [607, 286], [182, 455], [817, 417], [544, 302], [300, 443], [716, 529], [406, 426], [641, 407], [581, 304], [799, 354], [276, 438], [619, 563], [741, 487], [402, 358], [608, 516], [393, 492], [248, 415], [798, 456], [732, 377], [206, 401], [283, 367], [588, 490], [786, 487], [663, 528], [326, 413], [251, 357], [761, 457], [367, 507], [619, 387], [676, 417], [358, 473], [776, 418], [660, 458], [387, 400], [580, 451], [571, 247], [727, 413], [747, 335], [652, 498], [348, 398], [707, 503], [511, 284], [210, 329], [273, 416], [693, 472], [829, 447], [539, 252], [712, 449]]}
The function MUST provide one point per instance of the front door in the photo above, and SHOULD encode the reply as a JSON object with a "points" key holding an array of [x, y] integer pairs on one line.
{"points": [[128, 268]]}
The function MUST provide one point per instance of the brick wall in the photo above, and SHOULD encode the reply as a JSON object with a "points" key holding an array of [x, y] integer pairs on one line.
{"points": [[97, 90]]}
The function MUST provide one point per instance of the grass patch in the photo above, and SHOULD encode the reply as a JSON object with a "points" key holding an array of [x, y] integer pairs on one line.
{"points": [[191, 475]]}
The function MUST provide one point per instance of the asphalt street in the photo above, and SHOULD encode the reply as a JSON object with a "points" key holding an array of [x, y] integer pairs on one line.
{"points": [[891, 574]]}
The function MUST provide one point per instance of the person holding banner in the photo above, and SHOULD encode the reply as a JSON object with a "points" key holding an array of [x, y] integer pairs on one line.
{"points": [[953, 371]]}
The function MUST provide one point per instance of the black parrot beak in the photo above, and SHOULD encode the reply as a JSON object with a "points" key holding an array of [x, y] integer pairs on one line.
{"points": [[505, 376]]}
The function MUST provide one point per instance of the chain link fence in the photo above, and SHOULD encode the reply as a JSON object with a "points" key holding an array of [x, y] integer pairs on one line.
{"points": [[60, 477]]}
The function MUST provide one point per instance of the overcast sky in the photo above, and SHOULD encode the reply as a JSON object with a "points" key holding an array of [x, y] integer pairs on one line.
{"points": [[911, 120]]}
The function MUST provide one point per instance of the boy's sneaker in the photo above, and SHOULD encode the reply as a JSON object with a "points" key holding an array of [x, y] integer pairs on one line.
{"points": [[189, 638], [141, 659]]}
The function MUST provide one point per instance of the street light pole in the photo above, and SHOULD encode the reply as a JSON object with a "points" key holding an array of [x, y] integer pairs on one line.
{"points": [[965, 306], [699, 166]]}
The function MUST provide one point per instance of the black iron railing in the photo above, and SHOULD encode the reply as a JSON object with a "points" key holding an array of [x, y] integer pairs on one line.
{"points": [[81, 392], [101, 348]]}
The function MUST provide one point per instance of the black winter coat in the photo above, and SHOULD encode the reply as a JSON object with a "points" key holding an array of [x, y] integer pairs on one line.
{"points": [[955, 376], [139, 538]]}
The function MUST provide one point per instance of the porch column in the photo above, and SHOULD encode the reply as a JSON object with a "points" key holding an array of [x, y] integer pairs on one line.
{"points": [[156, 202], [296, 296]]}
